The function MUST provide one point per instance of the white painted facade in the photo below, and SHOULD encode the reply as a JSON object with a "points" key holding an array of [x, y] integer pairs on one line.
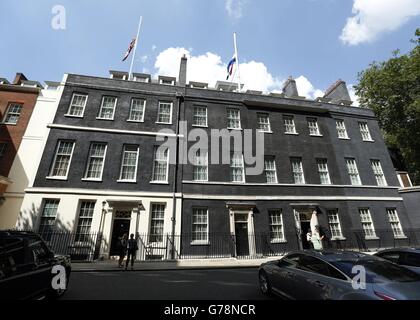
{"points": [[28, 156], [107, 203]]}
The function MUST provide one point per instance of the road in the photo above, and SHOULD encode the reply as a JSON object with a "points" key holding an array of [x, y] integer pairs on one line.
{"points": [[213, 284]]}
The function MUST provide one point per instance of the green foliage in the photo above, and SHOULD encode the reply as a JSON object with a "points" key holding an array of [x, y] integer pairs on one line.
{"points": [[392, 89]]}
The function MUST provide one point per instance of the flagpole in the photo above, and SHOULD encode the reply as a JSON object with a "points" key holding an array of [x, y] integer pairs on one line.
{"points": [[135, 48], [237, 61]]}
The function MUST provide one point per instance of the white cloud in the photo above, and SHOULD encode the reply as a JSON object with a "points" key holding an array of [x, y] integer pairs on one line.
{"points": [[234, 8], [306, 88], [210, 68], [353, 96], [373, 17]]}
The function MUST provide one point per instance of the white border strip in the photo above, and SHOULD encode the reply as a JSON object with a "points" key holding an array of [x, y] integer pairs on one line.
{"points": [[307, 198], [144, 133]]}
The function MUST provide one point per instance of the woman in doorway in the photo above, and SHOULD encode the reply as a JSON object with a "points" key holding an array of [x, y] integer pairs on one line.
{"points": [[316, 239], [122, 249]]}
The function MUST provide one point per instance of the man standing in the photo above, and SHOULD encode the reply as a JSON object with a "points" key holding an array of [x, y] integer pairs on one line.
{"points": [[131, 251]]}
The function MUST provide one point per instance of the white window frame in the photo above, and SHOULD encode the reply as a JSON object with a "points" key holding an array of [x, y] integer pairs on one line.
{"points": [[154, 166], [266, 169], [334, 220], [322, 165], [394, 220], [167, 82], [83, 218], [131, 110], [289, 123], [311, 126], [194, 124], [271, 224], [266, 116], [229, 118], [85, 96], [51, 176], [162, 219], [366, 219], [206, 165], [122, 162], [159, 113], [52, 217], [99, 117], [199, 241], [9, 112], [353, 171], [90, 157], [378, 172], [300, 164], [242, 167], [340, 125], [365, 132]]}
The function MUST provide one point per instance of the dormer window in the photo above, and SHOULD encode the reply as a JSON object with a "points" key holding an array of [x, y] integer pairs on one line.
{"points": [[167, 82]]}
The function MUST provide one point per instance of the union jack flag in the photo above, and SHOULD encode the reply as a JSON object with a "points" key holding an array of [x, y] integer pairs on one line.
{"points": [[130, 48]]}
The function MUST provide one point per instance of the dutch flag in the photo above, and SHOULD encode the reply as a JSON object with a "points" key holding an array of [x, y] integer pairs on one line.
{"points": [[230, 67]]}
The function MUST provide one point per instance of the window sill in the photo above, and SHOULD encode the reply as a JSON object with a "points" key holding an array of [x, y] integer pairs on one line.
{"points": [[89, 179], [338, 238], [278, 241], [9, 123], [106, 119], [169, 123], [292, 133], [400, 237], [343, 138], [237, 129], [159, 182], [316, 135], [200, 243], [372, 238], [72, 116], [136, 121], [368, 140], [56, 178], [199, 126], [126, 181], [262, 131]]}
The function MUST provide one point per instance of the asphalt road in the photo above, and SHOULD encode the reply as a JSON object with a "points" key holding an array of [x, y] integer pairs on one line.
{"points": [[212, 284]]}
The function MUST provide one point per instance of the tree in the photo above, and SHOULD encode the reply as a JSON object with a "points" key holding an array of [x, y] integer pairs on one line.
{"points": [[392, 89]]}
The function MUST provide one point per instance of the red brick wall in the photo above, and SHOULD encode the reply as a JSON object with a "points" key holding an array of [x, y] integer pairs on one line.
{"points": [[12, 134]]}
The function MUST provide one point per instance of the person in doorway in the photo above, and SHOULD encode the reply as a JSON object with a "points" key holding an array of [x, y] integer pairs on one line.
{"points": [[131, 251], [122, 249], [309, 239], [316, 239]]}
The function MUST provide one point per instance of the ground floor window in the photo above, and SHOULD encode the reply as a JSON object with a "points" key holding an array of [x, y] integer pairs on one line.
{"points": [[85, 221], [48, 216], [199, 225], [395, 222], [367, 223], [334, 223], [156, 223], [276, 225]]}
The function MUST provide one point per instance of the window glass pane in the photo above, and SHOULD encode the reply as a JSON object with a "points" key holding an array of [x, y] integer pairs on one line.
{"points": [[263, 122], [137, 109], [129, 163], [237, 168], [62, 158], [323, 171], [200, 165], [200, 225], [200, 116], [157, 222], [85, 221], [289, 124], [270, 170], [107, 107], [297, 170], [77, 105], [95, 161], [160, 164], [353, 172], [13, 113], [234, 118], [48, 216], [276, 225], [341, 129], [164, 112], [313, 126]]}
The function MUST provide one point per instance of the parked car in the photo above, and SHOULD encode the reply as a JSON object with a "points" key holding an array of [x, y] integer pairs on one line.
{"points": [[26, 267], [335, 275], [407, 257]]}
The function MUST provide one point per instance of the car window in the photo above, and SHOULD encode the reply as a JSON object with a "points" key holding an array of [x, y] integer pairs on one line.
{"points": [[391, 256], [377, 270], [411, 259], [37, 249], [291, 261], [318, 266]]}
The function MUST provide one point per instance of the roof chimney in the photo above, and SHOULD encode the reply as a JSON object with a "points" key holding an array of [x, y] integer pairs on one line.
{"points": [[182, 78], [19, 78], [290, 88], [338, 93]]}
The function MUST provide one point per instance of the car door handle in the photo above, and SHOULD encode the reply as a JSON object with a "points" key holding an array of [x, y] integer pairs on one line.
{"points": [[319, 284]]}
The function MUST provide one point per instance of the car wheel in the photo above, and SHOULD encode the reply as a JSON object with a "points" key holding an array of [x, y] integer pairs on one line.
{"points": [[264, 283]]}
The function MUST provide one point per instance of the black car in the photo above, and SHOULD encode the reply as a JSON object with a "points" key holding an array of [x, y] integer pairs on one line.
{"points": [[407, 257], [338, 275], [29, 269]]}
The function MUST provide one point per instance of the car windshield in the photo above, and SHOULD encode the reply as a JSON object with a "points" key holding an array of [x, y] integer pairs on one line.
{"points": [[377, 270]]}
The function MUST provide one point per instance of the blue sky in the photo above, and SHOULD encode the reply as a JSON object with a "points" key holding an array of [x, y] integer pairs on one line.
{"points": [[312, 40]]}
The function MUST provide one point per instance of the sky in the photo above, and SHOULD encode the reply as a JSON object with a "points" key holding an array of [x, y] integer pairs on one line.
{"points": [[314, 41]]}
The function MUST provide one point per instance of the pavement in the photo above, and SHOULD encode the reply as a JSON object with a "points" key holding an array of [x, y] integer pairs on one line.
{"points": [[223, 263]]}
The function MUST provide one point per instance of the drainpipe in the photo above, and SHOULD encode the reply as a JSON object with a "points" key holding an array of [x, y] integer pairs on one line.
{"points": [[180, 98]]}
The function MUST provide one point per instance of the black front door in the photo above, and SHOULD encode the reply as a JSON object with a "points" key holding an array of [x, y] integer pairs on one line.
{"points": [[242, 244], [305, 227], [120, 227]]}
